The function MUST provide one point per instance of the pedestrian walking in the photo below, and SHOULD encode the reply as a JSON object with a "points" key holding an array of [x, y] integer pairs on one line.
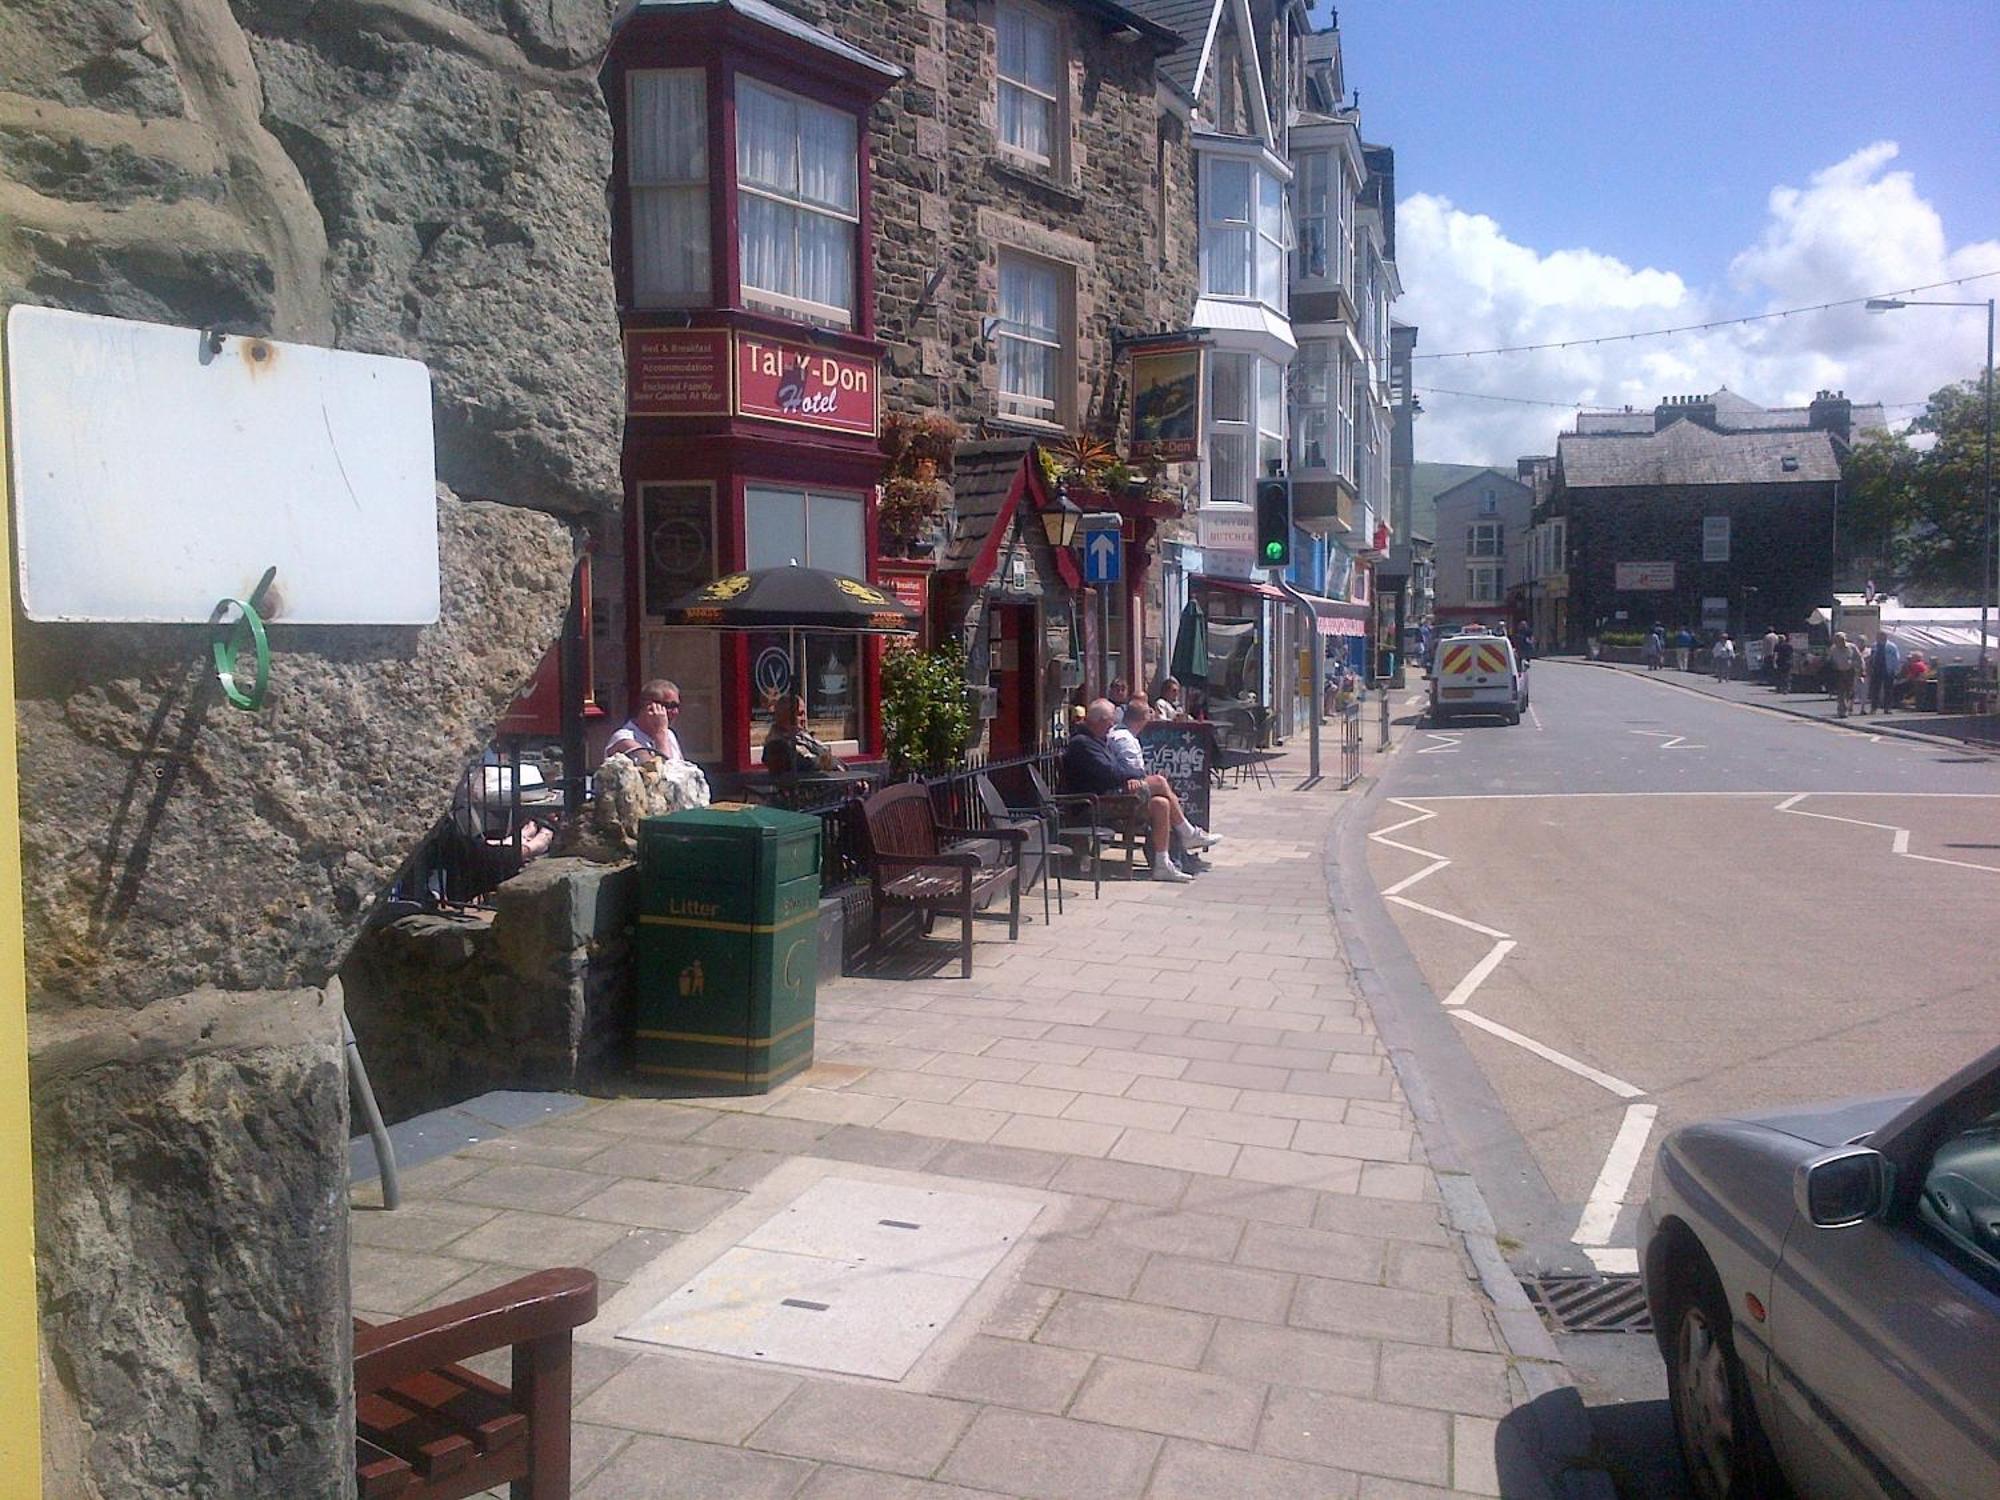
{"points": [[1885, 662], [1771, 639], [1722, 658], [1655, 649], [1781, 664], [1843, 661], [1683, 648]]}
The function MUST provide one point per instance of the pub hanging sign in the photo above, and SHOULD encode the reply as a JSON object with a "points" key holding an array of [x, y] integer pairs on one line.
{"points": [[805, 385], [1166, 404]]}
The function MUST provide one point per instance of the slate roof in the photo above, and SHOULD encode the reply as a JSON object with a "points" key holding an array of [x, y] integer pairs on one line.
{"points": [[981, 474], [1687, 453], [1188, 19], [1734, 413]]}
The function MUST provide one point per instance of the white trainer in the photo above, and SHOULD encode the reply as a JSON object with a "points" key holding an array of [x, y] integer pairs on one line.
{"points": [[1165, 869], [1200, 838]]}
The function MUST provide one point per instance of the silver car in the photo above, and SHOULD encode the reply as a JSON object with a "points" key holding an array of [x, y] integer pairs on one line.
{"points": [[1825, 1284]]}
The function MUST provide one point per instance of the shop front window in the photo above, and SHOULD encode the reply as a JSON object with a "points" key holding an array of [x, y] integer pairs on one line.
{"points": [[667, 149], [824, 669], [798, 204]]}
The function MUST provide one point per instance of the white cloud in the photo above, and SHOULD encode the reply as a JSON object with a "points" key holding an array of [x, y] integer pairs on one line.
{"points": [[1858, 227]]}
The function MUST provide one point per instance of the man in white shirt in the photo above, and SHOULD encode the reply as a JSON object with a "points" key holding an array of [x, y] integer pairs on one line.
{"points": [[649, 733], [1123, 741]]}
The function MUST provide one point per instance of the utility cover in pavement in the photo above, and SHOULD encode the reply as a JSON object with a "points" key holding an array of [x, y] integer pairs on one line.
{"points": [[1590, 1304], [856, 1277]]}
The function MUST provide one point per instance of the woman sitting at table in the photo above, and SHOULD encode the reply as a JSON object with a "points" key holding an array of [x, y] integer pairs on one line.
{"points": [[789, 749]]}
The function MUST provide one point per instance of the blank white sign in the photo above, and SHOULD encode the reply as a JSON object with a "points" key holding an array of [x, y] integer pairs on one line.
{"points": [[157, 470]]}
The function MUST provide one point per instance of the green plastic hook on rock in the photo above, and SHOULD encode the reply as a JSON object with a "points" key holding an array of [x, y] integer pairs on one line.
{"points": [[228, 648]]}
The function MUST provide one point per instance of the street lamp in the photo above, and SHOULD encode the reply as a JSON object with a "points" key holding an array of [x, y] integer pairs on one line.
{"points": [[1986, 561]]}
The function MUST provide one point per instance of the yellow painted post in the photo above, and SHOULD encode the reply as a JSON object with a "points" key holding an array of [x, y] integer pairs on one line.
{"points": [[20, 1362]]}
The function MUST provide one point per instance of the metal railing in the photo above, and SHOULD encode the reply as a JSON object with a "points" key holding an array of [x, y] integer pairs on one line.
{"points": [[1350, 744]]}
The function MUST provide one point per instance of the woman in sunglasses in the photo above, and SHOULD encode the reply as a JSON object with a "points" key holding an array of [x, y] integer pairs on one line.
{"points": [[649, 733]]}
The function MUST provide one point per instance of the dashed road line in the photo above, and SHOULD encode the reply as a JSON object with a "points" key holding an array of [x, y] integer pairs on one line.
{"points": [[1614, 1178], [1446, 743], [1445, 916], [1668, 741]]}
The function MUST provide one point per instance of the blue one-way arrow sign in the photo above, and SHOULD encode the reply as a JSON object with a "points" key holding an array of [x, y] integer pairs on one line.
{"points": [[1100, 556]]}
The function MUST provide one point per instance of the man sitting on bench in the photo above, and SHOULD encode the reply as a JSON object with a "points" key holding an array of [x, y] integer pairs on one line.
{"points": [[1090, 767]]}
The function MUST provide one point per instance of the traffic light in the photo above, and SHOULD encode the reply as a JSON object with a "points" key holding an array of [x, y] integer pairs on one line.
{"points": [[1274, 523]]}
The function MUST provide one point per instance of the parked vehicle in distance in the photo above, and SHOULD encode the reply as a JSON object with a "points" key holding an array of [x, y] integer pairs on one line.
{"points": [[1825, 1288], [1477, 673]]}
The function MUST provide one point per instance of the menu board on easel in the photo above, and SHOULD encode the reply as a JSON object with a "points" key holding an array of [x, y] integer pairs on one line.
{"points": [[1184, 753]]}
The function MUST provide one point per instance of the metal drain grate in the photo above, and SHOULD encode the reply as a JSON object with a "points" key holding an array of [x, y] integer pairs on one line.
{"points": [[1590, 1304]]}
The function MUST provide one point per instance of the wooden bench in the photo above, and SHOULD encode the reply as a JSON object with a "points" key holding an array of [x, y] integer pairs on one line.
{"points": [[912, 862], [428, 1428], [1098, 821]]}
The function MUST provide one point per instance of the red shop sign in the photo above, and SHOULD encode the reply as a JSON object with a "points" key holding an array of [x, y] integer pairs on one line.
{"points": [[677, 372], [805, 385]]}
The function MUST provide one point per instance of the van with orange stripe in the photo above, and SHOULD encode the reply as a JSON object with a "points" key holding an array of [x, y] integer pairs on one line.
{"points": [[1477, 674]]}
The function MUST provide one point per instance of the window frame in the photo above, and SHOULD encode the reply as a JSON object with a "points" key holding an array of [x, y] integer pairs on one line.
{"points": [[701, 188], [766, 299], [1237, 429], [1063, 344], [1474, 592], [1480, 536], [1265, 258], [1012, 152]]}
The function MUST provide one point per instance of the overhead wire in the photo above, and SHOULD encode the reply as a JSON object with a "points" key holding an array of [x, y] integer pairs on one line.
{"points": [[1655, 333]]}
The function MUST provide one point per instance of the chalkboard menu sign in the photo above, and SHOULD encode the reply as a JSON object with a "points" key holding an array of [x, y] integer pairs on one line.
{"points": [[1184, 753]]}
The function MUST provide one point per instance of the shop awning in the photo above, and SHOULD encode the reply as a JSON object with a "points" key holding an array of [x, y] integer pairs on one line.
{"points": [[1240, 586], [1338, 617]]}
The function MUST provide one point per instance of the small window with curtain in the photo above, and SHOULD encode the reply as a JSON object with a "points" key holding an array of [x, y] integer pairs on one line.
{"points": [[1031, 71], [666, 170], [1227, 191], [1033, 338], [798, 204]]}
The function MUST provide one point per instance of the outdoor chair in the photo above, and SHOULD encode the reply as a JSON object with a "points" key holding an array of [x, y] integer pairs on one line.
{"points": [[428, 1428], [1112, 821], [1037, 853], [913, 861]]}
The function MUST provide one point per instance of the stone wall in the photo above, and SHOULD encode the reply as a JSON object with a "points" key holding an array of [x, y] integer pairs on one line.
{"points": [[945, 198], [534, 993], [396, 177]]}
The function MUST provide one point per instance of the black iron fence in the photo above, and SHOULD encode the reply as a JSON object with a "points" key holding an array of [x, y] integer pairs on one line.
{"points": [[1350, 744]]}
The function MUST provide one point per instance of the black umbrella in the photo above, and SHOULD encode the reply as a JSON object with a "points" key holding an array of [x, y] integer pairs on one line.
{"points": [[791, 598], [1190, 662]]}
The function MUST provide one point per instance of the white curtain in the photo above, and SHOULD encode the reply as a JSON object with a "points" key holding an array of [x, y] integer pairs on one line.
{"points": [[827, 158], [1027, 81], [767, 243], [1031, 312], [767, 139], [667, 143], [1227, 233], [805, 155], [1229, 387]]}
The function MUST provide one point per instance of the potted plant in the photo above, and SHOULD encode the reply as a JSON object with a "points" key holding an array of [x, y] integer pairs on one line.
{"points": [[918, 449], [927, 717]]}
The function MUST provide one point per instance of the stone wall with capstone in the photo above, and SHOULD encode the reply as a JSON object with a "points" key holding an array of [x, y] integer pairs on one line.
{"points": [[396, 177]]}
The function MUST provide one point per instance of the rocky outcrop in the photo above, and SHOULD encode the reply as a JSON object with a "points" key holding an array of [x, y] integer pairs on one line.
{"points": [[192, 1246], [393, 176]]}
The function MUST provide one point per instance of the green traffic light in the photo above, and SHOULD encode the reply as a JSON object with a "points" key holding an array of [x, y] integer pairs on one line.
{"points": [[1274, 550]]}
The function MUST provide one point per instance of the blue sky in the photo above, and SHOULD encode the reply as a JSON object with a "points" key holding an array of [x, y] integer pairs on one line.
{"points": [[1549, 156]]}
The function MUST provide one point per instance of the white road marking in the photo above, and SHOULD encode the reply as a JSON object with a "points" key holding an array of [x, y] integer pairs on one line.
{"points": [[1478, 973], [1614, 1178], [1445, 916], [1563, 1060], [1623, 1262], [1409, 880], [1446, 743], [1900, 843], [1668, 741]]}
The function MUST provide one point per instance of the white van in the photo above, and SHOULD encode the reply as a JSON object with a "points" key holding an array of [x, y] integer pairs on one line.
{"points": [[1477, 674]]}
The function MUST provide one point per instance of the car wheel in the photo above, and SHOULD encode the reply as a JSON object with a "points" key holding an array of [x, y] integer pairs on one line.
{"points": [[1722, 1445], [1513, 716]]}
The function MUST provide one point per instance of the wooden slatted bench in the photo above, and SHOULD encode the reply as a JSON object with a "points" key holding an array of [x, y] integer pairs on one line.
{"points": [[912, 861], [428, 1428]]}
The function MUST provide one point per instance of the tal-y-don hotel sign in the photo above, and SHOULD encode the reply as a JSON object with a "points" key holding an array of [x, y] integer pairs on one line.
{"points": [[700, 372]]}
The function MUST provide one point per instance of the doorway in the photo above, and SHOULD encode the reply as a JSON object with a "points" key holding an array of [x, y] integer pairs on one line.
{"points": [[1014, 668]]}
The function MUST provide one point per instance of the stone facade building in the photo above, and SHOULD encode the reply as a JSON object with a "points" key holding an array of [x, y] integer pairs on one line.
{"points": [[1709, 512]]}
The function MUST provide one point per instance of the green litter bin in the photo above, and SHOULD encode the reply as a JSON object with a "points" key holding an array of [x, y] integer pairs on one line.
{"points": [[728, 947]]}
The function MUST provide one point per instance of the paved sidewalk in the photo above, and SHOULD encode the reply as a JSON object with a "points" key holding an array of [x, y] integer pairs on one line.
{"points": [[1240, 1280], [1979, 731]]}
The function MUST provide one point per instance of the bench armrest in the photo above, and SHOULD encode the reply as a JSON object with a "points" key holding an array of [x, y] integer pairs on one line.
{"points": [[957, 859], [997, 831], [535, 1307]]}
